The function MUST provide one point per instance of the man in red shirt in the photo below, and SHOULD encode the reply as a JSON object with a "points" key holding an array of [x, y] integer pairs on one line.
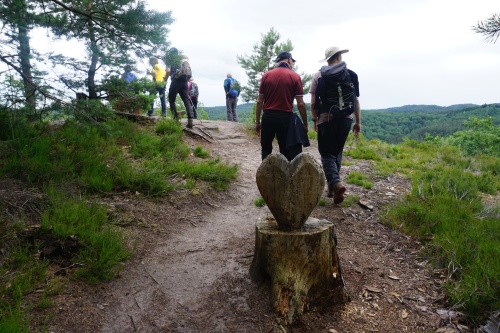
{"points": [[278, 89]]}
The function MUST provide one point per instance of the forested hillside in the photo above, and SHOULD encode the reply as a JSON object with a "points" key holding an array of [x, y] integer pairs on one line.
{"points": [[219, 112], [392, 125]]}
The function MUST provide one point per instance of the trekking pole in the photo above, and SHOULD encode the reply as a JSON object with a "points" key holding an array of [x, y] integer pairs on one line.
{"points": [[192, 106]]}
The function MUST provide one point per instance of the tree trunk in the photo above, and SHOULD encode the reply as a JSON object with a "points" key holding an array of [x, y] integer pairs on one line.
{"points": [[302, 266], [25, 62], [94, 57]]}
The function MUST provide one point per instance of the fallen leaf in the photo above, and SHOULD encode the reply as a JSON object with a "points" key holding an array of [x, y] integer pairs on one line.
{"points": [[393, 277], [374, 289], [365, 205], [404, 314]]}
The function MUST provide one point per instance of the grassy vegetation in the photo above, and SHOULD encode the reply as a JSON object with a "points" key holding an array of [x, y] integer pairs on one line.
{"points": [[86, 159], [358, 178], [451, 208], [200, 152], [259, 202], [350, 200]]}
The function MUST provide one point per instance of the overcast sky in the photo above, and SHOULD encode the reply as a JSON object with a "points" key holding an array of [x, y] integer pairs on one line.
{"points": [[404, 51]]}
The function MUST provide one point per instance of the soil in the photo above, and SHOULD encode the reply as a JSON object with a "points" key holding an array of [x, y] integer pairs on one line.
{"points": [[192, 253]]}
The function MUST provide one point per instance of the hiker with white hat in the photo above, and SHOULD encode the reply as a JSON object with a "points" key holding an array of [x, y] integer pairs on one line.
{"points": [[334, 101]]}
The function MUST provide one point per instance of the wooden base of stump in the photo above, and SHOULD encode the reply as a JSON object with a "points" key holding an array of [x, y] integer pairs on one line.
{"points": [[302, 266]]}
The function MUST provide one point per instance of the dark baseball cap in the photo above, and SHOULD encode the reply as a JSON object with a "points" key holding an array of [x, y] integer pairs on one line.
{"points": [[283, 56]]}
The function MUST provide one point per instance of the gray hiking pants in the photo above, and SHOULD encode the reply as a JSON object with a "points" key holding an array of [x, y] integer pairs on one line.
{"points": [[231, 108]]}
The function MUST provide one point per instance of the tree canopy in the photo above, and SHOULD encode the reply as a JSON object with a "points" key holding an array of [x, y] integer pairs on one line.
{"points": [[261, 60], [115, 34]]}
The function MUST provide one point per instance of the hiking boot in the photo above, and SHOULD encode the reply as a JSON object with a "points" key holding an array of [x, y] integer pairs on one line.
{"points": [[329, 192], [338, 191], [190, 123]]}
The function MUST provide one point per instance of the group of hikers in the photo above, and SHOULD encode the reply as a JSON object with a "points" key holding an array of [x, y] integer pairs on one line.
{"points": [[181, 83], [334, 107]]}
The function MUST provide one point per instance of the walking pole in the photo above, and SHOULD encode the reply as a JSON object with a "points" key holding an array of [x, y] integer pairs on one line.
{"points": [[192, 106]]}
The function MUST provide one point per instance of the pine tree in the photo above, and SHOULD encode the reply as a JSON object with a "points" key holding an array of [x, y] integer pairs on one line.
{"points": [[262, 60], [114, 32], [17, 17], [489, 28]]}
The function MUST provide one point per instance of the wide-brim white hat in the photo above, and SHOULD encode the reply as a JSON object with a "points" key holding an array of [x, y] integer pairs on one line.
{"points": [[331, 51]]}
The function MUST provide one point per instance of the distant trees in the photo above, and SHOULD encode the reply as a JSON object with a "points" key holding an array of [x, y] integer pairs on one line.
{"points": [[489, 28], [262, 60], [393, 126]]}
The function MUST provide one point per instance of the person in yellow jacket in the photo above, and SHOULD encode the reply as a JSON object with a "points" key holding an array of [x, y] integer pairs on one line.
{"points": [[158, 73]]}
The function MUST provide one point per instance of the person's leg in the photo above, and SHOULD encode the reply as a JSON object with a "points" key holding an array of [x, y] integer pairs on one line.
{"points": [[183, 92], [195, 106], [172, 94], [282, 122], [327, 150], [229, 111], [267, 133], [341, 130], [161, 91], [331, 141], [293, 151], [233, 109], [150, 113]]}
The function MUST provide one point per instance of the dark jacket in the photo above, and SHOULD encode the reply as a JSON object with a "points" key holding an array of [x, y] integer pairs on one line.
{"points": [[297, 134]]}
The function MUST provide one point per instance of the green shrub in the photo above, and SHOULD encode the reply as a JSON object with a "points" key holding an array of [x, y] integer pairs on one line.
{"points": [[200, 152], [482, 136], [259, 202]]}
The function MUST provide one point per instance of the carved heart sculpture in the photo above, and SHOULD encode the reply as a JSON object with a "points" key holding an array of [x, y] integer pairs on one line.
{"points": [[291, 190]]}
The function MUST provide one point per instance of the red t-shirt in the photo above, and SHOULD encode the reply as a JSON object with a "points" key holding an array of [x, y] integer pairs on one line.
{"points": [[279, 87]]}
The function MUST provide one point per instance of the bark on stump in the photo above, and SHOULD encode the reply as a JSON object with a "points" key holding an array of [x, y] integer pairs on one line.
{"points": [[302, 266]]}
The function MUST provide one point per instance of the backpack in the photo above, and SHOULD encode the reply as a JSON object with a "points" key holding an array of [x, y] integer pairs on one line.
{"points": [[234, 88], [193, 89], [181, 73], [339, 96]]}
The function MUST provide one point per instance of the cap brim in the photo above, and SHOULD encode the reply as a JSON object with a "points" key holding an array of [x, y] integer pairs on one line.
{"points": [[278, 60]]}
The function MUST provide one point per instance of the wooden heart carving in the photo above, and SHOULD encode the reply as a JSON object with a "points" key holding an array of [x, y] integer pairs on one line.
{"points": [[291, 190]]}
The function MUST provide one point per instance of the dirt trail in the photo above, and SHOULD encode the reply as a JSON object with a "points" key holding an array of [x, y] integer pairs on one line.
{"points": [[190, 270]]}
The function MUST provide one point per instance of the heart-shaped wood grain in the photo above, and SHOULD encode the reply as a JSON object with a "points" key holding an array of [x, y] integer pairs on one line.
{"points": [[291, 190]]}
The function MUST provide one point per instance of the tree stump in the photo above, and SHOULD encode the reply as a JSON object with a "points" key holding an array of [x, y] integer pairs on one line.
{"points": [[302, 266]]}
